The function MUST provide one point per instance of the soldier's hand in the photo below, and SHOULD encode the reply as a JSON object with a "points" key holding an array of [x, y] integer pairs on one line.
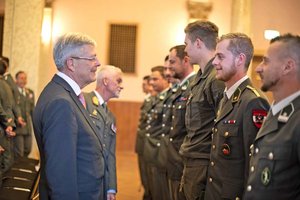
{"points": [[21, 121], [1, 149], [111, 196], [9, 131]]}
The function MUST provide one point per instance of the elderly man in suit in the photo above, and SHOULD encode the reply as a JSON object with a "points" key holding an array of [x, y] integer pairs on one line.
{"points": [[109, 85], [72, 159]]}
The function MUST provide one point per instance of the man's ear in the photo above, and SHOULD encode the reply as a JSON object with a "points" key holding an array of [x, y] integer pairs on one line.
{"points": [[105, 82], [199, 43], [289, 66], [70, 64], [240, 59]]}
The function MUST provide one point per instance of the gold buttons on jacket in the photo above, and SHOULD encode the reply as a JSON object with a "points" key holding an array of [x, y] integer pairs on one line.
{"points": [[226, 134]]}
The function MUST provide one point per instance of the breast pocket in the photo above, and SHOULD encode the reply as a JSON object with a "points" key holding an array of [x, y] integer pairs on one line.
{"points": [[272, 161], [230, 145]]}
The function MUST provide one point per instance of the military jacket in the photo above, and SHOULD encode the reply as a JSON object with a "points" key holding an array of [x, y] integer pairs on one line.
{"points": [[275, 157], [201, 110], [26, 105], [178, 130], [105, 122], [237, 124]]}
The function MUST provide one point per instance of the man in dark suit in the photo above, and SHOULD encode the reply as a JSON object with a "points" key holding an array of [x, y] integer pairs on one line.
{"points": [[109, 85], [239, 118], [72, 160], [23, 139], [275, 153]]}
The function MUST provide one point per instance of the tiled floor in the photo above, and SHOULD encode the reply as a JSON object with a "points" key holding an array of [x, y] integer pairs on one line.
{"points": [[129, 184]]}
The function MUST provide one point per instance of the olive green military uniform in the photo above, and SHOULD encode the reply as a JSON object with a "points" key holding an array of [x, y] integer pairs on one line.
{"points": [[155, 152], [275, 156], [105, 122], [237, 124], [176, 136], [139, 145], [7, 119], [201, 110]]}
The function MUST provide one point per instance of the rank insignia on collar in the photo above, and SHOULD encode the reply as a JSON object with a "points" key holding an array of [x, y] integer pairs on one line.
{"points": [[95, 101], [95, 112], [226, 149], [265, 176], [258, 117], [286, 113]]}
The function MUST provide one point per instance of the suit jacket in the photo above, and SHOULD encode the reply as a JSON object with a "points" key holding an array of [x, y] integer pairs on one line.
{"points": [[72, 161], [236, 126], [275, 155], [14, 89], [26, 104], [106, 125]]}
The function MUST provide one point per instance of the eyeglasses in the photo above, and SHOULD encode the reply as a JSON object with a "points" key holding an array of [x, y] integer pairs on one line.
{"points": [[94, 58]]}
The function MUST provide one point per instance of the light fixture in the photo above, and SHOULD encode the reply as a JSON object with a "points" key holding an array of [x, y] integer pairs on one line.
{"points": [[47, 25], [270, 34]]}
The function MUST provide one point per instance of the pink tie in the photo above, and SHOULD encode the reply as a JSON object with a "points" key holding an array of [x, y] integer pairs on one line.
{"points": [[82, 100]]}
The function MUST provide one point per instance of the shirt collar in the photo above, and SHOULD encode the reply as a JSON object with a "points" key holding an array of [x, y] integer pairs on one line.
{"points": [[229, 92], [71, 82], [283, 103], [186, 78], [101, 101]]}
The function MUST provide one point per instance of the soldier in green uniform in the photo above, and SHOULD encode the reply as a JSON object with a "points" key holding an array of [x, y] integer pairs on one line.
{"points": [[275, 154], [7, 124], [239, 118], [108, 85], [183, 71], [201, 108], [23, 139], [139, 144]]}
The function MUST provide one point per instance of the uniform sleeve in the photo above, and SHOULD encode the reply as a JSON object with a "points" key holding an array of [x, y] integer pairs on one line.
{"points": [[255, 112], [59, 138], [217, 90], [112, 159]]}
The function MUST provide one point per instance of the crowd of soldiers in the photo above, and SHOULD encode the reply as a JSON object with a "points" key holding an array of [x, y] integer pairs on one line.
{"points": [[16, 107], [212, 134]]}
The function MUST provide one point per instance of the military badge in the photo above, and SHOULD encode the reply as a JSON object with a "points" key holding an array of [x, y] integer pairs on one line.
{"points": [[286, 113], [258, 117], [265, 176], [113, 128], [226, 149], [95, 101], [94, 112]]}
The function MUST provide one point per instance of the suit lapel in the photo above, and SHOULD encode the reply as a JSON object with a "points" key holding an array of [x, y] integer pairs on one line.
{"points": [[84, 112]]}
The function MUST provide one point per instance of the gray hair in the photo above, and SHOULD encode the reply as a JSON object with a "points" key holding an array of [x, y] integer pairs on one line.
{"points": [[69, 44], [106, 71]]}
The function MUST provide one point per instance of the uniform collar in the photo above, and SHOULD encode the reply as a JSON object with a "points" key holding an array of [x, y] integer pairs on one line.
{"points": [[101, 100], [186, 78], [229, 92], [283, 103]]}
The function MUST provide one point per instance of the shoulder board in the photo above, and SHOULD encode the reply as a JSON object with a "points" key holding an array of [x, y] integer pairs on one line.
{"points": [[253, 90]]}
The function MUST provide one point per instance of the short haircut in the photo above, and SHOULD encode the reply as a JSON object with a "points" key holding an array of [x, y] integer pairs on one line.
{"points": [[166, 58], [147, 78], [180, 53], [159, 69], [5, 59], [18, 73], [292, 45], [69, 45], [239, 43], [105, 71], [205, 31], [3, 67]]}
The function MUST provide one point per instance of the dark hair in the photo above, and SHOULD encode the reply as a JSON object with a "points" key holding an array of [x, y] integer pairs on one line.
{"points": [[292, 47], [239, 43], [147, 78], [18, 73], [160, 69], [5, 59], [205, 31], [3, 67], [180, 53], [166, 58]]}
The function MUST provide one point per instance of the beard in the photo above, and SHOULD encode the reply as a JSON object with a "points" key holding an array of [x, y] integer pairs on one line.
{"points": [[266, 86]]}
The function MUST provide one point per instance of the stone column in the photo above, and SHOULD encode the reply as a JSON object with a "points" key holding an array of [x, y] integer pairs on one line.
{"points": [[241, 16], [22, 37]]}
